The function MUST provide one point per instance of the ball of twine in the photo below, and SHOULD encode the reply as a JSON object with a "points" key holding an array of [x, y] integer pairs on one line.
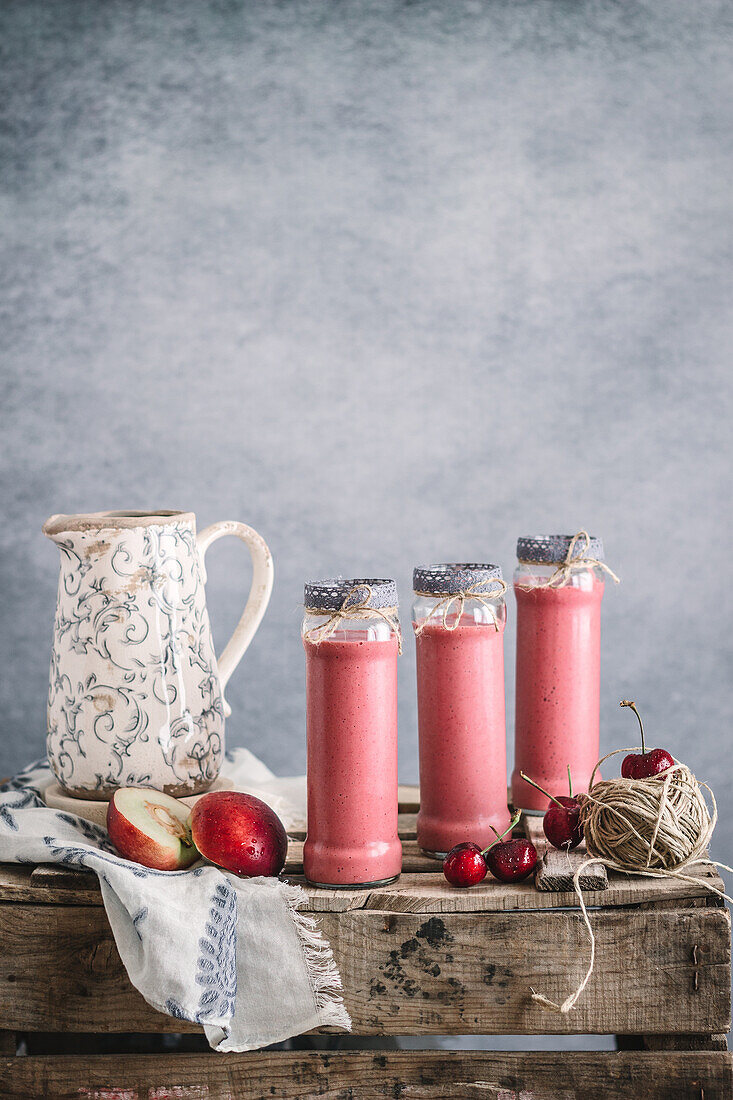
{"points": [[648, 824], [659, 827]]}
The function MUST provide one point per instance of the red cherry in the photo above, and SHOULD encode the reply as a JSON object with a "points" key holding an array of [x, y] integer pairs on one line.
{"points": [[512, 860], [561, 824], [653, 763], [628, 766], [644, 765], [465, 865]]}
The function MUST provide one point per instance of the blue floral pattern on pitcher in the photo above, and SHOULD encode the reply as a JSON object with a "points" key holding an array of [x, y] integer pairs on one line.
{"points": [[134, 694]]}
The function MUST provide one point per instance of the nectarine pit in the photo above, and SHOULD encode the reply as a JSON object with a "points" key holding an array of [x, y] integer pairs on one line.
{"points": [[165, 818]]}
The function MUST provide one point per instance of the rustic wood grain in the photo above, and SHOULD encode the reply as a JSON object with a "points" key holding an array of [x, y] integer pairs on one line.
{"points": [[422, 891], [414, 1075], [408, 798], [685, 1042], [556, 869], [58, 877], [469, 975], [418, 957], [430, 893], [411, 973], [18, 884]]}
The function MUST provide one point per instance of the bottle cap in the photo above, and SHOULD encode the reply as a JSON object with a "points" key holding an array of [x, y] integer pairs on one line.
{"points": [[452, 577], [333, 594], [553, 549]]}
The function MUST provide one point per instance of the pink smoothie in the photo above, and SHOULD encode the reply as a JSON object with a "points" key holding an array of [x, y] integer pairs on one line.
{"points": [[351, 686], [460, 696], [557, 689]]}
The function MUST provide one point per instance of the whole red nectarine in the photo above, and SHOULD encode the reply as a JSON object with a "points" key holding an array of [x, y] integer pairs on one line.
{"points": [[239, 833]]}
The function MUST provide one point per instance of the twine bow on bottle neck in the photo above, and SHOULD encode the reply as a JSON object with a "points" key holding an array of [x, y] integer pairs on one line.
{"points": [[573, 563], [445, 604], [359, 609]]}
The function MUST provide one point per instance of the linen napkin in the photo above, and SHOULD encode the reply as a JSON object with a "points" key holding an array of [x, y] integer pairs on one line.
{"points": [[234, 955]]}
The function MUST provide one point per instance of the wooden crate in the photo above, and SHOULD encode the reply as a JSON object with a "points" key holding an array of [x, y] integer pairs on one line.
{"points": [[417, 958]]}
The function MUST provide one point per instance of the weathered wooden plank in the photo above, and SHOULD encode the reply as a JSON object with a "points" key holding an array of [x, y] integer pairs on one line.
{"points": [[58, 877], [408, 798], [423, 891], [475, 974], [17, 885], [411, 974], [430, 893], [419, 1075], [55, 878], [555, 869], [685, 1042], [672, 1042], [406, 827]]}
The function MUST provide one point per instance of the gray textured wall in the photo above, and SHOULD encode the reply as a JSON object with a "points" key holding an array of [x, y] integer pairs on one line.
{"points": [[393, 283]]}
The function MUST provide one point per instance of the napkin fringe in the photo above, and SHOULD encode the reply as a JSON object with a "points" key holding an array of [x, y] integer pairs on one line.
{"points": [[321, 966]]}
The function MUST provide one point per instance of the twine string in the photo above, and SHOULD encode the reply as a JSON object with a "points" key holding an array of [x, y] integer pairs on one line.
{"points": [[475, 591], [654, 824], [658, 828], [573, 563], [360, 608]]}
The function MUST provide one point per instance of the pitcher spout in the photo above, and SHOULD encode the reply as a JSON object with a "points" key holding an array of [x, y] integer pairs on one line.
{"points": [[55, 527]]}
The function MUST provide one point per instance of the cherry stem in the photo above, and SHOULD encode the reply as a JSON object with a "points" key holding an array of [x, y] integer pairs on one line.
{"points": [[499, 836], [570, 782], [630, 703], [542, 790]]}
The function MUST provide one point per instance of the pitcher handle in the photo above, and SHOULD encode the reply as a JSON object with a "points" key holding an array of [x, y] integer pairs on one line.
{"points": [[257, 601]]}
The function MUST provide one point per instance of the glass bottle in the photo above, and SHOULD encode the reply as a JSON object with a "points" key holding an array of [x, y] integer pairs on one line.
{"points": [[351, 636], [459, 615], [559, 583]]}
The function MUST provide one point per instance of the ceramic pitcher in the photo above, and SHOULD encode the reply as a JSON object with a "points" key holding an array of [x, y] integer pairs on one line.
{"points": [[136, 691]]}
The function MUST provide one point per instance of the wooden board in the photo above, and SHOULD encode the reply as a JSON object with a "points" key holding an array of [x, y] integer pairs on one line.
{"points": [[422, 1075], [416, 957], [556, 872], [556, 869], [408, 798], [421, 888], [430, 893], [658, 971], [406, 827]]}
